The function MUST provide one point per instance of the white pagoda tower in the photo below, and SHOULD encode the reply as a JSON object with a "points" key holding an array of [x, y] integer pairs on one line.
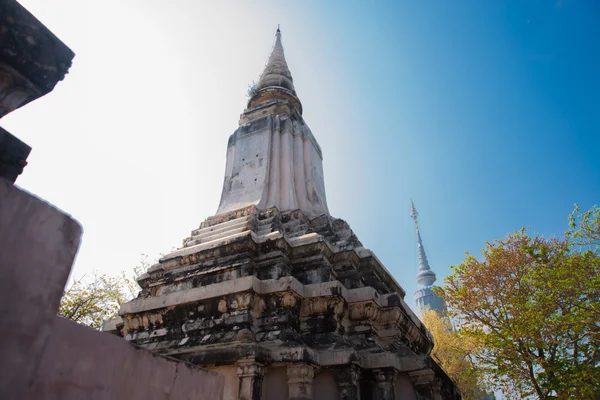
{"points": [[424, 295]]}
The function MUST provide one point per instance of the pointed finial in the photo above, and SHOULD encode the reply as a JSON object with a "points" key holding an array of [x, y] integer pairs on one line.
{"points": [[276, 76], [413, 212], [425, 276]]}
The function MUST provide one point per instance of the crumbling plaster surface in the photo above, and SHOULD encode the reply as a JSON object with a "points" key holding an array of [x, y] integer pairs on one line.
{"points": [[273, 161]]}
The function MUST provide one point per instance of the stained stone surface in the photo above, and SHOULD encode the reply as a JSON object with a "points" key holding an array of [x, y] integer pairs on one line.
{"points": [[280, 288], [273, 290], [273, 159]]}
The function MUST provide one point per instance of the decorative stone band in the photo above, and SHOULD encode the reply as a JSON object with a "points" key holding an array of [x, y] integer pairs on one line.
{"points": [[249, 368], [274, 92], [363, 303], [250, 375], [300, 377]]}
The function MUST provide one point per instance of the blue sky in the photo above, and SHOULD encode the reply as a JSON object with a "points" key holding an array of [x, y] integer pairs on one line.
{"points": [[485, 113]]}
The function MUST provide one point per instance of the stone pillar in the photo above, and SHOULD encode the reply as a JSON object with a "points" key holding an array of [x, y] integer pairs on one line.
{"points": [[348, 381], [250, 375], [300, 377], [384, 384]]}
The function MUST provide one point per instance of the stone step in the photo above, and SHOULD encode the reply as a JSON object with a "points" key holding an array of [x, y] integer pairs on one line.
{"points": [[264, 231], [232, 231], [264, 222], [221, 226], [244, 225]]}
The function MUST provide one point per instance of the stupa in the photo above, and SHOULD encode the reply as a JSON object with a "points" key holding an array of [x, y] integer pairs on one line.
{"points": [[274, 292]]}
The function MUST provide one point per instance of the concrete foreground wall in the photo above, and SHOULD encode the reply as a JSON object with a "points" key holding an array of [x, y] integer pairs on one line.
{"points": [[47, 357]]}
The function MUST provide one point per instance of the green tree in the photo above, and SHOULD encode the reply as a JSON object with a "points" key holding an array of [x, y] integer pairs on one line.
{"points": [[533, 303], [585, 227], [94, 299]]}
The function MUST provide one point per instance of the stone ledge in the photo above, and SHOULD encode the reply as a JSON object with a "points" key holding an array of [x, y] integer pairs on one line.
{"points": [[324, 358], [332, 288], [188, 255]]}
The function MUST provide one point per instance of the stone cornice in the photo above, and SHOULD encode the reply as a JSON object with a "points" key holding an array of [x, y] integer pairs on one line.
{"points": [[382, 310]]}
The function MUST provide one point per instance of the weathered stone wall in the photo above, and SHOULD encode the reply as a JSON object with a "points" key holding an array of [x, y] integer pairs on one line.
{"points": [[47, 357]]}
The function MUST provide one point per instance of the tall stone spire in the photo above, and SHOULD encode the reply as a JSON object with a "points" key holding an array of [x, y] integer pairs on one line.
{"points": [[273, 159], [424, 296], [276, 79], [276, 73]]}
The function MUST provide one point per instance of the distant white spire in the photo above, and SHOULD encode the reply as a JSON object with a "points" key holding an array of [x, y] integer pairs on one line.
{"points": [[425, 277], [424, 296]]}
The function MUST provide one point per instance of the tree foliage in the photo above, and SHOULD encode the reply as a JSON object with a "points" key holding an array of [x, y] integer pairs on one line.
{"points": [[94, 299], [533, 303], [453, 351], [585, 227]]}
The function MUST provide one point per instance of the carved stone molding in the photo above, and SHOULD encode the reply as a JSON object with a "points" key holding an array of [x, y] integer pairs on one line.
{"points": [[249, 367], [288, 300], [363, 311], [300, 377], [422, 377], [222, 306], [319, 305], [347, 379], [250, 375], [384, 383], [389, 322], [260, 306]]}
